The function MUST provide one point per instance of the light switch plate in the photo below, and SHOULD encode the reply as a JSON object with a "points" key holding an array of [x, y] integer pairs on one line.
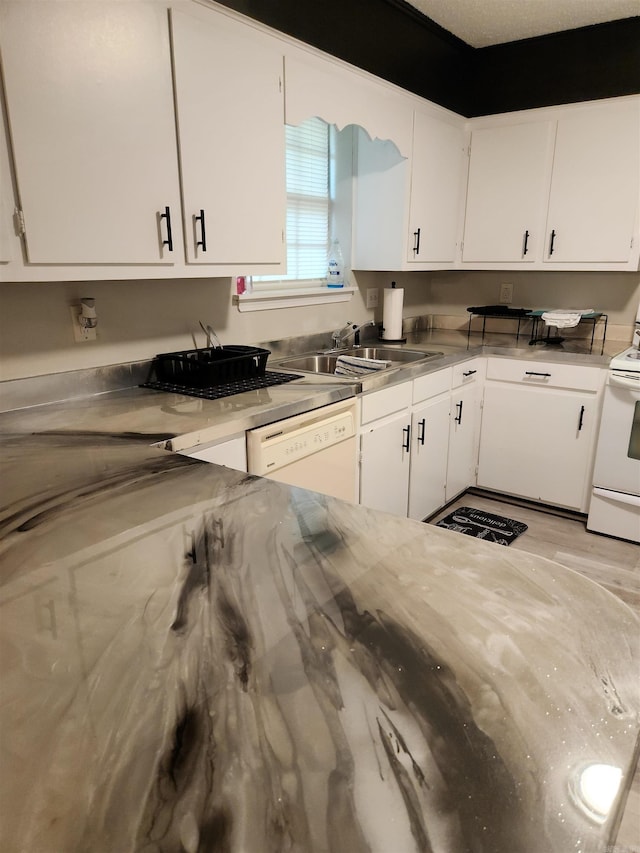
{"points": [[372, 297]]}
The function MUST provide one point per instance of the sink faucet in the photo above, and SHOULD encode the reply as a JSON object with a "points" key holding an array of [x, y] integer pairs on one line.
{"points": [[340, 336]]}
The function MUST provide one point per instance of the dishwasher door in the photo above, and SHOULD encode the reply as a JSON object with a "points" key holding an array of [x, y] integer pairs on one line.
{"points": [[316, 450]]}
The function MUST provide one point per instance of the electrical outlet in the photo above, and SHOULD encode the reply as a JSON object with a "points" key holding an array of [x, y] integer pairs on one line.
{"points": [[80, 333], [506, 294], [372, 297]]}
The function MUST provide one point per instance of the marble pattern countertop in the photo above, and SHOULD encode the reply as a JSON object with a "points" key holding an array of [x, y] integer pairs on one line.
{"points": [[183, 422], [196, 659]]}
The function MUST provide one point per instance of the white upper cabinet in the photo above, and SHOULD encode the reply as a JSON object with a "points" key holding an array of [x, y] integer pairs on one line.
{"points": [[594, 187], [437, 166], [7, 242], [342, 95], [556, 188], [230, 116], [90, 106], [406, 211], [507, 192]]}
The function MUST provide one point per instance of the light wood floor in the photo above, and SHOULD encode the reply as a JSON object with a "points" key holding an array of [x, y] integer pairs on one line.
{"points": [[614, 564]]}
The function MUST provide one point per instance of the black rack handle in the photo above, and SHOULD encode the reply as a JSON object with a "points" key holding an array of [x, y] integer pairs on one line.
{"points": [[203, 232], [535, 373], [406, 445], [169, 241], [581, 418], [416, 242], [423, 429], [551, 242], [524, 245], [458, 417], [469, 373]]}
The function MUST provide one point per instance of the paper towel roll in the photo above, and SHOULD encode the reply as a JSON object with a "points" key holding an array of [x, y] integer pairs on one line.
{"points": [[392, 313]]}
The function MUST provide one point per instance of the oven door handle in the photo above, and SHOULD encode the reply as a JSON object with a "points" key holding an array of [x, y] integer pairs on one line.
{"points": [[618, 497], [625, 381]]}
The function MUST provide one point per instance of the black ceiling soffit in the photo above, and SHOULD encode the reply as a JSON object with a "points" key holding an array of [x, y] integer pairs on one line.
{"points": [[393, 40]]}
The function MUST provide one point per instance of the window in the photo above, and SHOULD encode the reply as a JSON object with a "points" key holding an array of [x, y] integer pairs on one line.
{"points": [[308, 204], [311, 193]]}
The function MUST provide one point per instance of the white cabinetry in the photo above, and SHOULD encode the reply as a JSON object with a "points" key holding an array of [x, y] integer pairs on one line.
{"points": [[464, 426], [90, 105], [231, 452], [419, 441], [595, 185], [230, 115], [385, 449], [539, 424], [556, 188], [429, 443], [406, 213], [7, 240], [507, 192]]}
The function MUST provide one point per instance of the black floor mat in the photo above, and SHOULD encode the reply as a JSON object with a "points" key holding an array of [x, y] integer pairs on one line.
{"points": [[483, 525]]}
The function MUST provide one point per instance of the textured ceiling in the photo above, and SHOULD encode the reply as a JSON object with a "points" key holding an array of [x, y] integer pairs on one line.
{"points": [[480, 23]]}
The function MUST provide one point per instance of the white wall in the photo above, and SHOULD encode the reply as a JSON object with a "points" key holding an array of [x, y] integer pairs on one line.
{"points": [[138, 319], [615, 293]]}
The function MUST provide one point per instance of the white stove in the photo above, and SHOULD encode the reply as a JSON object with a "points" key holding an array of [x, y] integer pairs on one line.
{"points": [[629, 360], [615, 500]]}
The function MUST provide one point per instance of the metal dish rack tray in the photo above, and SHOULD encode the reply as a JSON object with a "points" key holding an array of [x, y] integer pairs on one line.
{"points": [[209, 366]]}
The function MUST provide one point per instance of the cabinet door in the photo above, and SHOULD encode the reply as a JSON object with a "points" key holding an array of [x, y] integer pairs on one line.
{"points": [[436, 182], [594, 188], [537, 443], [384, 465], [463, 439], [6, 197], [90, 105], [230, 113], [231, 453], [507, 192], [429, 444]]}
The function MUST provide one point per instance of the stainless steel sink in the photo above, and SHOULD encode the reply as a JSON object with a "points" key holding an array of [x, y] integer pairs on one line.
{"points": [[311, 363], [399, 356], [325, 363]]}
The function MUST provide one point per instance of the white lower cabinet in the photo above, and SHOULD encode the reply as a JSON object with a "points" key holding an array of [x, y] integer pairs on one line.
{"points": [[539, 426], [385, 448], [464, 426], [429, 442], [419, 441], [385, 460], [232, 453]]}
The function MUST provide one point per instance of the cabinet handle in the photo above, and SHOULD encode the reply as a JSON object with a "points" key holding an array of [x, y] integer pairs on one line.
{"points": [[416, 242], [458, 417], [526, 241], [469, 372], [406, 445], [551, 242], [203, 234], [581, 418], [169, 241], [535, 373], [423, 428]]}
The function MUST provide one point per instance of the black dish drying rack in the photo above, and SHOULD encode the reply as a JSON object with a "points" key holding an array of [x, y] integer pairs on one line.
{"points": [[214, 372]]}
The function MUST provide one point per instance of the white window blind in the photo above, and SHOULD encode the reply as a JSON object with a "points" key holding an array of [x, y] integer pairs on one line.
{"points": [[308, 204]]}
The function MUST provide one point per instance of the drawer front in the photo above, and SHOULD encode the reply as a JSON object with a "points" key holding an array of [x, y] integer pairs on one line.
{"points": [[546, 374], [467, 372], [431, 384], [379, 404]]}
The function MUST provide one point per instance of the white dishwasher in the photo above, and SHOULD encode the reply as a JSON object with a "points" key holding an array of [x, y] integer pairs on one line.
{"points": [[316, 450]]}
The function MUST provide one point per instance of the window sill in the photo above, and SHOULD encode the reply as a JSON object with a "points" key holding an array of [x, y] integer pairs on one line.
{"points": [[264, 300]]}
